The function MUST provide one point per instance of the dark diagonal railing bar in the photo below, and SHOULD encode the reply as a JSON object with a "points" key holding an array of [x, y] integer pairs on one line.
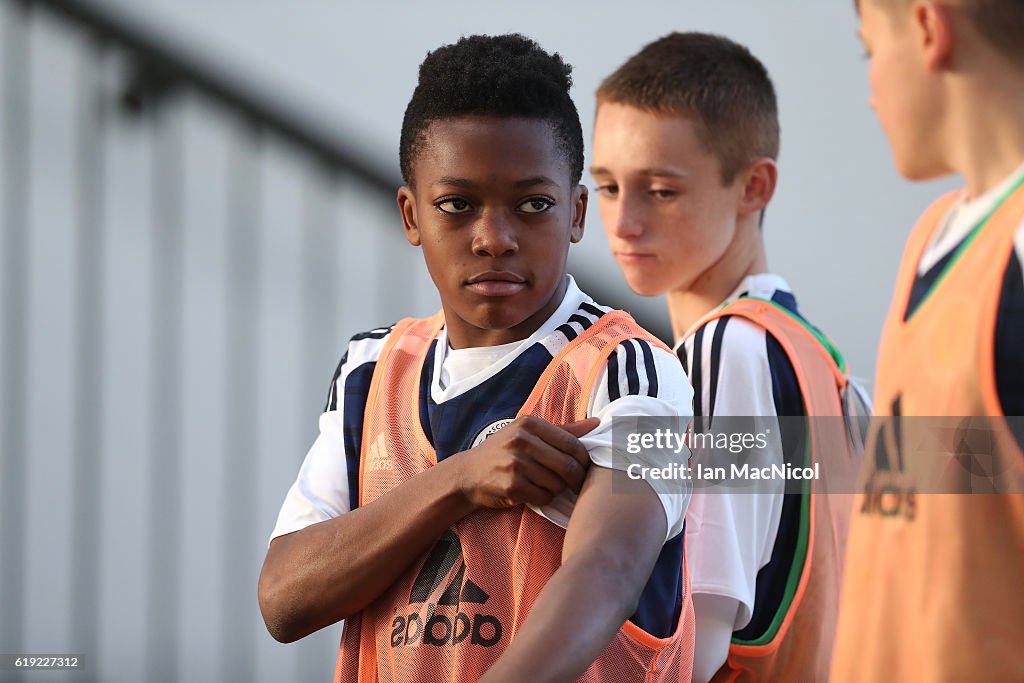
{"points": [[168, 64]]}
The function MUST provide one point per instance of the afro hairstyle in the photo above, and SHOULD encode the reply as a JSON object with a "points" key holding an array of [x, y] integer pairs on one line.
{"points": [[506, 76]]}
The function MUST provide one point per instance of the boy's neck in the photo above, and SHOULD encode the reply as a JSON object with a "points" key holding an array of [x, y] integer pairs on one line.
{"points": [[744, 257], [986, 129]]}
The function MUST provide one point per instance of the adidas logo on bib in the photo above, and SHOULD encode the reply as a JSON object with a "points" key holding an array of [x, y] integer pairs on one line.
{"points": [[442, 585]]}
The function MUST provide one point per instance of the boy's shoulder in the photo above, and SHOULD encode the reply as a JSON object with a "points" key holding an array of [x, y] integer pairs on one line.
{"points": [[367, 346], [361, 353], [745, 336], [736, 365], [730, 340]]}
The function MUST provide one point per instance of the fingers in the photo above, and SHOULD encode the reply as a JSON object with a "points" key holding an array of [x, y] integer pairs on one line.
{"points": [[529, 461], [563, 439], [541, 484], [535, 446]]}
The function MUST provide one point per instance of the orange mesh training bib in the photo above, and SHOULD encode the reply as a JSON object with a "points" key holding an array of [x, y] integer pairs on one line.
{"points": [[798, 644], [933, 581], [451, 615]]}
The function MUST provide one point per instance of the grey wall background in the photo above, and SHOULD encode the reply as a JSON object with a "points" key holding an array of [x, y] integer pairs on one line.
{"points": [[835, 230]]}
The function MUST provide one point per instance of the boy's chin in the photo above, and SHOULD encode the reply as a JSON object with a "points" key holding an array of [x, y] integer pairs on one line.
{"points": [[645, 286], [496, 317], [920, 170]]}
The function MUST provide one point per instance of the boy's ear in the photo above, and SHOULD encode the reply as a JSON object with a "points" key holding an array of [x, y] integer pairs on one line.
{"points": [[579, 213], [934, 30], [407, 206], [759, 179]]}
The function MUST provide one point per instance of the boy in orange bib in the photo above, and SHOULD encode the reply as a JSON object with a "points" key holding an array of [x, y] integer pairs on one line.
{"points": [[684, 158], [457, 508], [932, 589]]}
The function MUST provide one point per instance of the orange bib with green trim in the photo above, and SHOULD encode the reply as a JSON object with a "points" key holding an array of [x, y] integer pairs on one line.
{"points": [[798, 644], [933, 581], [452, 613]]}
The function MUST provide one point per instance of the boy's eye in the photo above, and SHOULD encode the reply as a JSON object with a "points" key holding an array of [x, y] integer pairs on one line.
{"points": [[536, 205], [607, 190], [664, 194], [454, 205]]}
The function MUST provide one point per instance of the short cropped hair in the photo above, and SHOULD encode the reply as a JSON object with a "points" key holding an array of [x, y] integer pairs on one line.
{"points": [[1000, 23], [712, 79], [507, 76]]}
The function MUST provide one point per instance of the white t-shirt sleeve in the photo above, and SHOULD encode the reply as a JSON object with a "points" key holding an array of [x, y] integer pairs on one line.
{"points": [[321, 489], [730, 537], [647, 382]]}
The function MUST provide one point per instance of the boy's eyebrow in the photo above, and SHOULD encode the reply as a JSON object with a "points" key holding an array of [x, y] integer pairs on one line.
{"points": [[659, 172], [452, 180], [535, 180], [525, 182]]}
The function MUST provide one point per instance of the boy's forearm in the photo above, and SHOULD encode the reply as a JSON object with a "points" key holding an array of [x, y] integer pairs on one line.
{"points": [[611, 545], [328, 571], [574, 618]]}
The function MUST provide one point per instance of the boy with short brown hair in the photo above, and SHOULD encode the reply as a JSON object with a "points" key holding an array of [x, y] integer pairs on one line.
{"points": [[685, 143]]}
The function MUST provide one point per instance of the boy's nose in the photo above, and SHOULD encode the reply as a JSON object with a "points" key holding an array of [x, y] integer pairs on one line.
{"points": [[627, 220], [495, 236]]}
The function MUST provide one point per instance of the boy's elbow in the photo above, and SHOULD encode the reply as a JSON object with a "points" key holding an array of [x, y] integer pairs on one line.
{"points": [[277, 616], [284, 634], [288, 614], [276, 626], [280, 631], [281, 628]]}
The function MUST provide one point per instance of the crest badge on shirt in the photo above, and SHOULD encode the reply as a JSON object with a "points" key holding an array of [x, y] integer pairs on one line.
{"points": [[490, 430]]}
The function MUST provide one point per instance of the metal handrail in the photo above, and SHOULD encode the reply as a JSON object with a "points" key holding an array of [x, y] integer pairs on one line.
{"points": [[161, 66]]}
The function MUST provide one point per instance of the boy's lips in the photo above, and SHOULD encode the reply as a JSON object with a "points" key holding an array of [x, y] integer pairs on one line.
{"points": [[632, 256], [496, 283]]}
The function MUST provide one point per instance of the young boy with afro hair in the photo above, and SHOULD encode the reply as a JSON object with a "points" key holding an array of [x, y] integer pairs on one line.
{"points": [[457, 508]]}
